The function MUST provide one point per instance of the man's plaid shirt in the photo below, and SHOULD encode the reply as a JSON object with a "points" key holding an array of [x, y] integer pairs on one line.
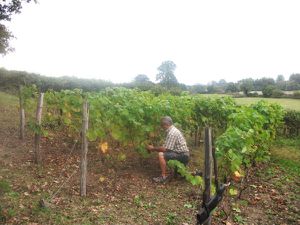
{"points": [[175, 141]]}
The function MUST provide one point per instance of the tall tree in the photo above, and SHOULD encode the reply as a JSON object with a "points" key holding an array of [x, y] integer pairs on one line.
{"points": [[7, 9], [280, 78], [231, 87], [222, 82], [5, 36], [246, 85], [268, 90], [295, 78], [141, 78], [261, 83], [166, 75]]}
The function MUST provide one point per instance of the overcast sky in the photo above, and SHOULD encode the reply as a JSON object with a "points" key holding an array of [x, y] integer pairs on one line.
{"points": [[119, 39]]}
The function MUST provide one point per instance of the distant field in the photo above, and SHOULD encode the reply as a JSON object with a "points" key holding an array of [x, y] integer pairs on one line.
{"points": [[293, 104], [8, 99]]}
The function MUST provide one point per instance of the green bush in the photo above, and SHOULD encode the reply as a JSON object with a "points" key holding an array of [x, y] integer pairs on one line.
{"points": [[296, 94], [249, 135], [254, 94], [292, 123], [276, 93], [268, 90]]}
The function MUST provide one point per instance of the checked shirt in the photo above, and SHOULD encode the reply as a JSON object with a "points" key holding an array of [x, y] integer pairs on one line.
{"points": [[175, 141]]}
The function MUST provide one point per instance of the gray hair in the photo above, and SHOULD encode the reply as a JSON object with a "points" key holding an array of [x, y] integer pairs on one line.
{"points": [[166, 120]]}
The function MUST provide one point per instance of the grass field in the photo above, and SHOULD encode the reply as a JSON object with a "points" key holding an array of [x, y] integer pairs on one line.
{"points": [[286, 103], [293, 104], [6, 99]]}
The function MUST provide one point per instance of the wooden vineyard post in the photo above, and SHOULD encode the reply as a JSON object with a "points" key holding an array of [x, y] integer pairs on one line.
{"points": [[84, 148], [196, 137], [37, 136], [22, 114], [207, 169]]}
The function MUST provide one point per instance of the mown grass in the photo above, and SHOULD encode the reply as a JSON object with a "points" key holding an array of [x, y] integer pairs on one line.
{"points": [[8, 99], [4, 186], [292, 104], [286, 153]]}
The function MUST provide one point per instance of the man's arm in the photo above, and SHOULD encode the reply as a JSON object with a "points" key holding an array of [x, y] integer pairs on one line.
{"points": [[156, 149]]}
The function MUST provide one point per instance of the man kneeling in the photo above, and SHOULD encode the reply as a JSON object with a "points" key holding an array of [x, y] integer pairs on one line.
{"points": [[175, 148]]}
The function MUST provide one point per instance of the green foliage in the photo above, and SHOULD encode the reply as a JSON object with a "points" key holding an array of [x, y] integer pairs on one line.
{"points": [[268, 90], [171, 218], [290, 166], [7, 9], [233, 191], [137, 200], [280, 78], [248, 136], [261, 83], [166, 75], [232, 87], [295, 78], [141, 78], [37, 129], [10, 81], [277, 93], [296, 94], [239, 219], [287, 142], [213, 112], [292, 122], [182, 170], [130, 118], [28, 93], [247, 85], [5, 36], [4, 186]]}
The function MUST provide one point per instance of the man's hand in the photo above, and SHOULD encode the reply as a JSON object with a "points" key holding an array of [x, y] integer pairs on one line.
{"points": [[150, 148]]}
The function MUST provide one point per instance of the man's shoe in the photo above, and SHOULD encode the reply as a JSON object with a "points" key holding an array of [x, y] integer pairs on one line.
{"points": [[161, 179], [197, 173]]}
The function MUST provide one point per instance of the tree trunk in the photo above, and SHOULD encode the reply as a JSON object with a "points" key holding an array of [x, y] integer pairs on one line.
{"points": [[22, 114], [84, 148], [207, 169], [37, 136]]}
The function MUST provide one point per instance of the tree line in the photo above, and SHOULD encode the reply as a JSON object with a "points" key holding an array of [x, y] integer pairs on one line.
{"points": [[10, 80], [268, 86], [166, 81]]}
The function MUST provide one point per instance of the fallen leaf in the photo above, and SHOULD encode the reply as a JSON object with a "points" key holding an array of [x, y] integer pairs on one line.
{"points": [[103, 146], [102, 179]]}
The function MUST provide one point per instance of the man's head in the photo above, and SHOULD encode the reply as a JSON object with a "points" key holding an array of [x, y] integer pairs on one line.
{"points": [[166, 122]]}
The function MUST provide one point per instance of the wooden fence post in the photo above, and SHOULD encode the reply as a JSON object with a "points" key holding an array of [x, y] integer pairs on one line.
{"points": [[22, 114], [207, 169], [196, 141], [37, 136], [84, 148]]}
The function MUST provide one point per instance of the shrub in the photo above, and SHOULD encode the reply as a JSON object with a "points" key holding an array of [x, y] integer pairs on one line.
{"points": [[254, 94], [292, 123], [296, 94], [276, 93], [268, 90]]}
